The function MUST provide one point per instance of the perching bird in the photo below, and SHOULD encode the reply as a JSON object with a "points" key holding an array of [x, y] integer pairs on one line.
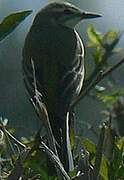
{"points": [[58, 55]]}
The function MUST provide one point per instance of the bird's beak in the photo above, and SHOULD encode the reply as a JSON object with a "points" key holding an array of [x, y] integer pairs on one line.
{"points": [[90, 15]]}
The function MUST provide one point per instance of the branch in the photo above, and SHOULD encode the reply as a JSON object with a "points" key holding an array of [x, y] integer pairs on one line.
{"points": [[100, 76], [55, 160], [7, 133], [110, 70]]}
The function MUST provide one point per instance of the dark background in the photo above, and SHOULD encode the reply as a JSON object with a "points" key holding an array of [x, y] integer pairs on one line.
{"points": [[14, 104]]}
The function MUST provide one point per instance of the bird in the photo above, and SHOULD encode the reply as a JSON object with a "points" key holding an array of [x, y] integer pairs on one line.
{"points": [[56, 49]]}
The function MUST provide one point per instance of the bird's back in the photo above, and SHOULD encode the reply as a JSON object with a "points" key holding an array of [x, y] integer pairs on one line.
{"points": [[58, 55]]}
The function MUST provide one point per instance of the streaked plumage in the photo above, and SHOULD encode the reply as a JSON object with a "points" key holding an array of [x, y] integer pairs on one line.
{"points": [[58, 55]]}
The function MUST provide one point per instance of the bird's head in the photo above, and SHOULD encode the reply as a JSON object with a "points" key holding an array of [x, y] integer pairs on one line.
{"points": [[65, 14]]}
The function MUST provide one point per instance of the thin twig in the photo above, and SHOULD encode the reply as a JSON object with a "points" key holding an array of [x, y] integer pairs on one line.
{"points": [[7, 138], [55, 160], [110, 70], [12, 137]]}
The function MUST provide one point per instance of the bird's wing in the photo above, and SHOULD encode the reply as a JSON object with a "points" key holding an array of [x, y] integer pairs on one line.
{"points": [[29, 76], [72, 81]]}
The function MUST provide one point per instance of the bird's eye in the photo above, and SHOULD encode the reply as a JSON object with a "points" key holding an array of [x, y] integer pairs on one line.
{"points": [[67, 11]]}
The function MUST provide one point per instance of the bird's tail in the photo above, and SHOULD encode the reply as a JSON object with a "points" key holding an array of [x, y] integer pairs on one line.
{"points": [[60, 128], [70, 158]]}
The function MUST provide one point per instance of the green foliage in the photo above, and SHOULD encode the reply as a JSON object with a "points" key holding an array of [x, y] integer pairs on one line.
{"points": [[95, 41], [104, 170], [11, 22], [116, 168], [101, 42], [36, 164], [109, 36], [91, 148], [94, 36], [89, 145], [109, 98], [30, 159]]}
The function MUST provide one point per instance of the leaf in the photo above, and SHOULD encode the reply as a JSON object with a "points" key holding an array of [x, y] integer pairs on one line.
{"points": [[11, 22], [109, 99], [95, 37], [3, 122], [117, 164], [114, 42], [110, 40], [120, 143], [97, 55], [37, 162], [104, 168], [72, 137], [110, 35], [89, 145], [99, 88], [73, 172]]}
